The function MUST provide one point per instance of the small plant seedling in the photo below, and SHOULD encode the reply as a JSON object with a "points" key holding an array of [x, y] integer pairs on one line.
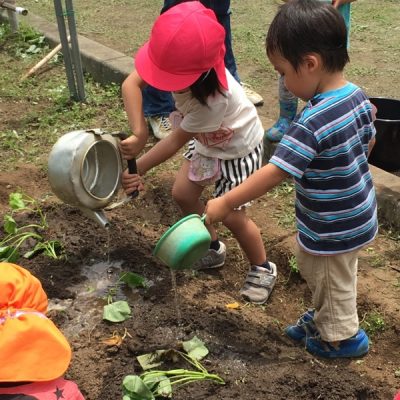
{"points": [[373, 323], [130, 278], [293, 265], [159, 383], [293, 268], [17, 236], [119, 311]]}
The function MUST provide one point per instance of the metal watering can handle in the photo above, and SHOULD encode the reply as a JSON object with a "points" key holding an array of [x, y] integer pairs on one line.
{"points": [[132, 168]]}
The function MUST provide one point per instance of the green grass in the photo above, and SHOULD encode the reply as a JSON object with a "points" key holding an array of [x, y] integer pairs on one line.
{"points": [[373, 323], [285, 212], [293, 265], [39, 109], [374, 33]]}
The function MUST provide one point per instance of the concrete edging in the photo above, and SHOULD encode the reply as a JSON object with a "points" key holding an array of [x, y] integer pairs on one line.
{"points": [[104, 64]]}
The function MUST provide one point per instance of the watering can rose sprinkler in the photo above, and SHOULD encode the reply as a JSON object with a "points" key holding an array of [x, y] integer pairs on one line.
{"points": [[84, 170]]}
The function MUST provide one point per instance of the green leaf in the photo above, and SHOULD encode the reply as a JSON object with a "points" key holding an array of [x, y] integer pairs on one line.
{"points": [[195, 348], [16, 201], [39, 247], [10, 226], [162, 384], [52, 248], [136, 388], [117, 312], [151, 360], [9, 254], [164, 389], [132, 279], [32, 48], [31, 253]]}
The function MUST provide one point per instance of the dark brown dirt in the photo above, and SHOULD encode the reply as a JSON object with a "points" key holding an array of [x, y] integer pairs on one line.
{"points": [[247, 346]]}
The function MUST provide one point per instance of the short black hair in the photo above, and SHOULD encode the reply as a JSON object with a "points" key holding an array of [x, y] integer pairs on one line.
{"points": [[302, 27], [206, 85]]}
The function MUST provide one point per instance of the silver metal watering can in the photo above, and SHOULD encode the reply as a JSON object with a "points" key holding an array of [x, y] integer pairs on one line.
{"points": [[84, 170]]}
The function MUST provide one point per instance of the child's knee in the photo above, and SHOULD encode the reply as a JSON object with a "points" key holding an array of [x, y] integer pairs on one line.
{"points": [[179, 196]]}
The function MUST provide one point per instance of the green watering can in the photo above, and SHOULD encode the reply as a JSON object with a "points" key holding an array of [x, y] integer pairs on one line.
{"points": [[184, 243]]}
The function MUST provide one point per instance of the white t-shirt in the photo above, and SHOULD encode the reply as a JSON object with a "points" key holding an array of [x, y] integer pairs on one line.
{"points": [[228, 128]]}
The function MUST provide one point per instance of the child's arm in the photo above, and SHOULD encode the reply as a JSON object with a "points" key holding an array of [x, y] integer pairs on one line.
{"points": [[133, 102], [162, 151], [371, 145], [254, 186]]}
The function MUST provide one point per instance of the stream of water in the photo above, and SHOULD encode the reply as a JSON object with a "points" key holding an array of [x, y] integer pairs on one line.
{"points": [[176, 298]]}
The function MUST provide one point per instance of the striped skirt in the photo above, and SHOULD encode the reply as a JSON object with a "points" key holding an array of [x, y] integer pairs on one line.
{"points": [[233, 172]]}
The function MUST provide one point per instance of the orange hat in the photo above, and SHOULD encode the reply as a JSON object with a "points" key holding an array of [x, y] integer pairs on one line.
{"points": [[32, 348]]}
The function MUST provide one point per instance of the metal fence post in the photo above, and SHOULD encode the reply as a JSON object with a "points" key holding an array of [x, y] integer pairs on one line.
{"points": [[12, 17], [72, 58], [76, 56]]}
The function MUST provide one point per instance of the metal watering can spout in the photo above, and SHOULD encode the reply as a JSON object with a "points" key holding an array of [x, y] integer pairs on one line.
{"points": [[96, 215]]}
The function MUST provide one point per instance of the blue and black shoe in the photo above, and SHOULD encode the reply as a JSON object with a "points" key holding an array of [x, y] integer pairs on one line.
{"points": [[356, 346], [304, 326]]}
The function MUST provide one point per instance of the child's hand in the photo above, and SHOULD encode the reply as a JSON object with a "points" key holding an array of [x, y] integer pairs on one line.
{"points": [[130, 147], [216, 210], [131, 182]]}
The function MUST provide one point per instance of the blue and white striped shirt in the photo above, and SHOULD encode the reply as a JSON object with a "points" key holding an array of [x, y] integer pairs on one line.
{"points": [[326, 150]]}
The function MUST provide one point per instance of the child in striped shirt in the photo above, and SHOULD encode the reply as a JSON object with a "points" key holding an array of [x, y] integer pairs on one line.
{"points": [[325, 150]]}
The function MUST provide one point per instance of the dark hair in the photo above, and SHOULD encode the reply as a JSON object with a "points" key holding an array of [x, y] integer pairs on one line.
{"points": [[207, 85], [308, 26], [171, 3]]}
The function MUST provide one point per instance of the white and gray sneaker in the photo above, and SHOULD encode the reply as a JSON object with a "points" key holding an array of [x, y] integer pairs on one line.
{"points": [[160, 125], [259, 283], [212, 259]]}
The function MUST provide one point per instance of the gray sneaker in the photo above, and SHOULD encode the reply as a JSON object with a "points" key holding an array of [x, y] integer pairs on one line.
{"points": [[160, 125], [212, 259], [259, 283]]}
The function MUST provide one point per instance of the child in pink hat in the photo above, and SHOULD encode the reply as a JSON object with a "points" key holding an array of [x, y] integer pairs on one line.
{"points": [[185, 55]]}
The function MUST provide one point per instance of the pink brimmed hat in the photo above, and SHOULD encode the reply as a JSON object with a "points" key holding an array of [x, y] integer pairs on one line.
{"points": [[185, 42]]}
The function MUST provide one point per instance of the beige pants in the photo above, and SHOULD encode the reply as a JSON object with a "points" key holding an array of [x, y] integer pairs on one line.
{"points": [[333, 284]]}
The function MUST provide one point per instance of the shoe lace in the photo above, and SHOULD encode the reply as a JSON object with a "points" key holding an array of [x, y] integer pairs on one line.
{"points": [[165, 123]]}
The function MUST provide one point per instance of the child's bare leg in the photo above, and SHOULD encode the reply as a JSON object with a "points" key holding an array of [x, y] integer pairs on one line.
{"points": [[248, 235], [187, 194], [261, 278]]}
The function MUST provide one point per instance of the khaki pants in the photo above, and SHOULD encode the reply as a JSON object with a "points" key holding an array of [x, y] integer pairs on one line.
{"points": [[333, 284]]}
